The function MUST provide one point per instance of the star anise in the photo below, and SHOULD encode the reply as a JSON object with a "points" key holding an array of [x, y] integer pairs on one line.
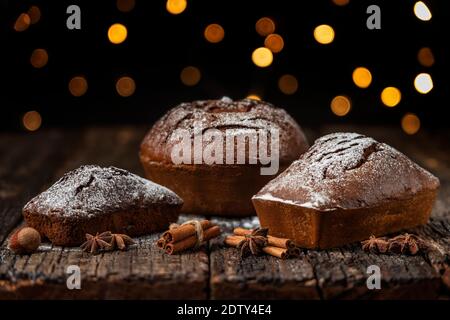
{"points": [[94, 243], [254, 242], [375, 245], [405, 244], [121, 241]]}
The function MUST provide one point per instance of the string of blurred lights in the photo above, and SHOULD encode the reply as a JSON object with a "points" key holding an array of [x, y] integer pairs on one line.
{"points": [[262, 57]]}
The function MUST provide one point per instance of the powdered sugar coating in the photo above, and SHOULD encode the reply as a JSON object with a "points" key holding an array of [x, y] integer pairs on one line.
{"points": [[91, 190], [348, 170], [233, 117]]}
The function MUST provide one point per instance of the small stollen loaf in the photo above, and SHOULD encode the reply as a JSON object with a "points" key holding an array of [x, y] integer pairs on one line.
{"points": [[92, 199], [346, 188]]}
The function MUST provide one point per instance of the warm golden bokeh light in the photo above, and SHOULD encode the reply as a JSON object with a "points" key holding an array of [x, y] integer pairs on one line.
{"points": [[362, 77], [35, 14], [22, 23], [288, 84], [421, 11], [410, 123], [214, 33], [253, 96], [39, 58], [190, 76], [265, 26], [117, 33], [341, 2], [176, 6], [425, 57], [262, 57], [274, 42], [423, 83], [125, 5], [324, 34], [78, 86], [125, 86], [32, 120], [341, 105], [391, 96]]}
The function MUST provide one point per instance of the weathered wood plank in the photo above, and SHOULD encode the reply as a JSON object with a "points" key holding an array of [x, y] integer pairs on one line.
{"points": [[141, 272]]}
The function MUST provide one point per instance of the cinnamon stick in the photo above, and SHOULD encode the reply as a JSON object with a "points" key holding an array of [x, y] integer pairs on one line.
{"points": [[281, 253], [276, 252], [184, 231], [294, 252], [190, 242], [233, 241], [271, 240], [161, 243]]}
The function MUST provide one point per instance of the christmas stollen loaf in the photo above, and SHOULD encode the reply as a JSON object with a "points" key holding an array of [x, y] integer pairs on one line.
{"points": [[346, 188], [92, 199]]}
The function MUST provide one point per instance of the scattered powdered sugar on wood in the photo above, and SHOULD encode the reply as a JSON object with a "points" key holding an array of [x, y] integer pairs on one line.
{"points": [[348, 170], [91, 190]]}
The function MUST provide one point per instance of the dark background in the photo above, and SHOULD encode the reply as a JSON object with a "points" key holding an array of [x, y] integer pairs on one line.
{"points": [[160, 45]]}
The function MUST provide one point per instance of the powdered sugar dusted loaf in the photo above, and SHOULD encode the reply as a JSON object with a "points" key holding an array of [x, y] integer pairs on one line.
{"points": [[348, 170], [345, 188], [234, 118], [92, 199]]}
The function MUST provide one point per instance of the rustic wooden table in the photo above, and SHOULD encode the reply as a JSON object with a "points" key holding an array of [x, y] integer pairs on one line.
{"points": [[31, 162]]}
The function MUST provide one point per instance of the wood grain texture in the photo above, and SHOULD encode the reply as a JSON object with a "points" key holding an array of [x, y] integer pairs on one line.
{"points": [[30, 163]]}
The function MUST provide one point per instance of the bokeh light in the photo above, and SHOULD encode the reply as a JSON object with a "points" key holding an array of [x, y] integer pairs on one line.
{"points": [[125, 5], [117, 33], [125, 86], [362, 77], [274, 42], [214, 33], [22, 23], [32, 120], [39, 58], [421, 11], [410, 123], [288, 84], [190, 76], [324, 34], [391, 96], [341, 2], [265, 26], [341, 105], [425, 57], [78, 86], [423, 83], [262, 57], [35, 14], [253, 96], [176, 6]]}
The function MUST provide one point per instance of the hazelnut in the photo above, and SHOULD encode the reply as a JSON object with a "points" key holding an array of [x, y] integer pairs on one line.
{"points": [[25, 240]]}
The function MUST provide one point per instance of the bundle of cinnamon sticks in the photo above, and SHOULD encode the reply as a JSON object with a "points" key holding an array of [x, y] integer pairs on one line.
{"points": [[185, 236], [278, 247]]}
